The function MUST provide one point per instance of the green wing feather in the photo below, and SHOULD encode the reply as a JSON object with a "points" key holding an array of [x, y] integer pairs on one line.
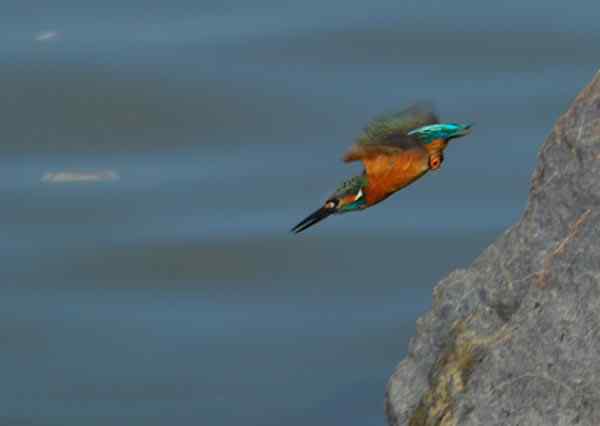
{"points": [[386, 128], [387, 134]]}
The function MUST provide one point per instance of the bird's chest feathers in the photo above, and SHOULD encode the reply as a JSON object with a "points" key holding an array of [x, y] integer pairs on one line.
{"points": [[388, 174]]}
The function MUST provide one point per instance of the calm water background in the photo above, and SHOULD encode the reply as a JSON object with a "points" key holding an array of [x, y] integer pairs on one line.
{"points": [[175, 295]]}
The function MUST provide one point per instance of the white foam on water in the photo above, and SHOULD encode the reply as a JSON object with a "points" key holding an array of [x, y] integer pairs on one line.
{"points": [[46, 36], [73, 176]]}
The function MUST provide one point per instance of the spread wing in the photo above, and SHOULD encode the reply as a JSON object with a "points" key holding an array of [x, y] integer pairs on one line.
{"points": [[385, 142], [388, 145], [388, 133]]}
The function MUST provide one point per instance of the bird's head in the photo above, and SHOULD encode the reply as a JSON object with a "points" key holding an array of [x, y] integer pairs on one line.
{"points": [[445, 131], [347, 198]]}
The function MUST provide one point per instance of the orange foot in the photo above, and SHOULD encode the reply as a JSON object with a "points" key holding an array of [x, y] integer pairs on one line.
{"points": [[435, 162]]}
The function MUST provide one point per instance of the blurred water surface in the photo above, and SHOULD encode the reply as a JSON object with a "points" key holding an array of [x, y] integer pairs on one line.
{"points": [[175, 293]]}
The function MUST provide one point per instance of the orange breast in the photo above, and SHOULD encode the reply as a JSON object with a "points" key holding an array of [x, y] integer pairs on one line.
{"points": [[387, 174]]}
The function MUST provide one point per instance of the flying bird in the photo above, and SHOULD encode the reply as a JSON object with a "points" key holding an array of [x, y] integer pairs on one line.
{"points": [[395, 150]]}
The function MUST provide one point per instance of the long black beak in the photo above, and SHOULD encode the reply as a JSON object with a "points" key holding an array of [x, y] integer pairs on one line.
{"points": [[313, 219]]}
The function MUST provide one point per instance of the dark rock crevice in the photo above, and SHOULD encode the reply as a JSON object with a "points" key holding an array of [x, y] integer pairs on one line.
{"points": [[515, 339]]}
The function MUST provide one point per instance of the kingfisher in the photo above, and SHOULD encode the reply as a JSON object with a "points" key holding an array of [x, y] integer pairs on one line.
{"points": [[396, 150]]}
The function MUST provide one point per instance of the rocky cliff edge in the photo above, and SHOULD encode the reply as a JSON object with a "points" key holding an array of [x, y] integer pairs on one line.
{"points": [[515, 338]]}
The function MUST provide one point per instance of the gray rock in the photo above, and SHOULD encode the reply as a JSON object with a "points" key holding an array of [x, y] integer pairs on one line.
{"points": [[515, 339]]}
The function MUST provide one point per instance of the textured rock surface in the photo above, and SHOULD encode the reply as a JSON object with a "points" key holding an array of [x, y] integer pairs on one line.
{"points": [[515, 339]]}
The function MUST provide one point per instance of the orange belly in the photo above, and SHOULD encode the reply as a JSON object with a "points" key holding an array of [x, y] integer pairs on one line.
{"points": [[392, 175], [387, 174]]}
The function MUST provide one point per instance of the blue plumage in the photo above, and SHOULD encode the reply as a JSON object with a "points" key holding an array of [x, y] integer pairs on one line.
{"points": [[396, 150], [446, 131]]}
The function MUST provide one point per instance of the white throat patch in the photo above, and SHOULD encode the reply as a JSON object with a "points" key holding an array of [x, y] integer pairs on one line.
{"points": [[359, 195]]}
